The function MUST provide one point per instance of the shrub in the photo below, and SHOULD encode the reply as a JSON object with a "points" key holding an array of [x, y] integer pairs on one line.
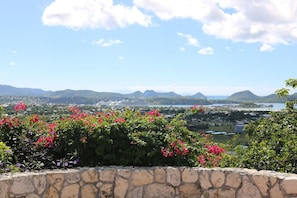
{"points": [[125, 137], [5, 159], [272, 140]]}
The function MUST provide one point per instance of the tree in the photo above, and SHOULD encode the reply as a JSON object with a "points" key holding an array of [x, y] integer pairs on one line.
{"points": [[284, 92], [271, 140]]}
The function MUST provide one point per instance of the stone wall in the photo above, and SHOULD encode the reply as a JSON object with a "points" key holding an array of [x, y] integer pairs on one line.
{"points": [[152, 182]]}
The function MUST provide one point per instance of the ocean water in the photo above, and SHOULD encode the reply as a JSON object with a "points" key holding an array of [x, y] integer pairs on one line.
{"points": [[217, 97]]}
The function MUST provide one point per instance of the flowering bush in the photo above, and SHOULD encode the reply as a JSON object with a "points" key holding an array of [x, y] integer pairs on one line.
{"points": [[124, 137], [5, 159]]}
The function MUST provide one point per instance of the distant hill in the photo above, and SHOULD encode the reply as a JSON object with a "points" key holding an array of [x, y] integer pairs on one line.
{"points": [[243, 96], [153, 94], [138, 97], [85, 93], [6, 90], [248, 96], [92, 97], [199, 95]]}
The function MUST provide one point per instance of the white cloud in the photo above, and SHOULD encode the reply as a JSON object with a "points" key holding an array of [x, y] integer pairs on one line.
{"points": [[12, 63], [266, 48], [206, 51], [120, 57], [267, 22], [107, 43], [194, 9], [190, 39], [182, 49], [77, 14]]}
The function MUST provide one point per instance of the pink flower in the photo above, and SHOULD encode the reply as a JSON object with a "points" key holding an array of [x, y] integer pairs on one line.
{"points": [[151, 119], [201, 159], [185, 151], [34, 119], [20, 107], [73, 109], [214, 149], [119, 120], [155, 113], [84, 140]]}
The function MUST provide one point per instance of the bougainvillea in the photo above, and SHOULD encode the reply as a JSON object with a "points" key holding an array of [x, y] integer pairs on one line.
{"points": [[124, 137]]}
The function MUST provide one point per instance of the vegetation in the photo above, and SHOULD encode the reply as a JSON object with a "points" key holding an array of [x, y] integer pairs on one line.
{"points": [[112, 137], [146, 137], [271, 140]]}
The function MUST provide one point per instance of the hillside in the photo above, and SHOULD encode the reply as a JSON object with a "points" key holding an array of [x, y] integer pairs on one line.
{"points": [[243, 96], [135, 98]]}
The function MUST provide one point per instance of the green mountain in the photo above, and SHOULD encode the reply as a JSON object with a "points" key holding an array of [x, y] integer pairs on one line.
{"points": [[243, 96], [136, 98], [248, 96], [199, 95]]}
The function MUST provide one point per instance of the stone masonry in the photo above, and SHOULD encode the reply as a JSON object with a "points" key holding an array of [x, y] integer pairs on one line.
{"points": [[149, 182]]}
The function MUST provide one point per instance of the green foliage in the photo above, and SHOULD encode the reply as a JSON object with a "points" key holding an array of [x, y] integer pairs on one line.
{"points": [[272, 141], [284, 92], [5, 159], [272, 144], [126, 137]]}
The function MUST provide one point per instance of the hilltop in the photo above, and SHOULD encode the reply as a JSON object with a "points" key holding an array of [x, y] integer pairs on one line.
{"points": [[136, 98]]}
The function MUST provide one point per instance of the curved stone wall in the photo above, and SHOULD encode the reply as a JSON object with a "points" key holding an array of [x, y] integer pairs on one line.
{"points": [[130, 182]]}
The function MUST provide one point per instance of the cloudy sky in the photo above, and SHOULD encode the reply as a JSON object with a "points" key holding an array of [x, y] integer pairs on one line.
{"points": [[216, 47]]}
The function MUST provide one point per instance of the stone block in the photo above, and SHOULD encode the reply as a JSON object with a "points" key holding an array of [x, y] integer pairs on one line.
{"points": [[22, 185], [221, 193], [173, 176], [141, 177], [160, 175], [40, 183], [32, 196], [126, 173], [106, 191], [233, 180], [71, 178], [4, 188], [275, 192], [90, 176], [204, 180], [189, 175], [89, 191], [289, 184], [159, 190], [56, 180], [107, 175], [121, 187], [70, 191], [217, 179], [248, 189], [51, 193], [190, 190], [135, 193], [262, 182]]}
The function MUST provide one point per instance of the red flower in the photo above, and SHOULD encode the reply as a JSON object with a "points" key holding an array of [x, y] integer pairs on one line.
{"points": [[84, 140], [20, 107], [120, 120], [155, 113], [201, 159], [151, 119], [73, 109], [34, 119], [214, 149], [196, 109], [45, 141]]}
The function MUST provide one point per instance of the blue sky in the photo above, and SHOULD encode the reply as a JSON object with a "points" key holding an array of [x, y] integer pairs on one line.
{"points": [[216, 47]]}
